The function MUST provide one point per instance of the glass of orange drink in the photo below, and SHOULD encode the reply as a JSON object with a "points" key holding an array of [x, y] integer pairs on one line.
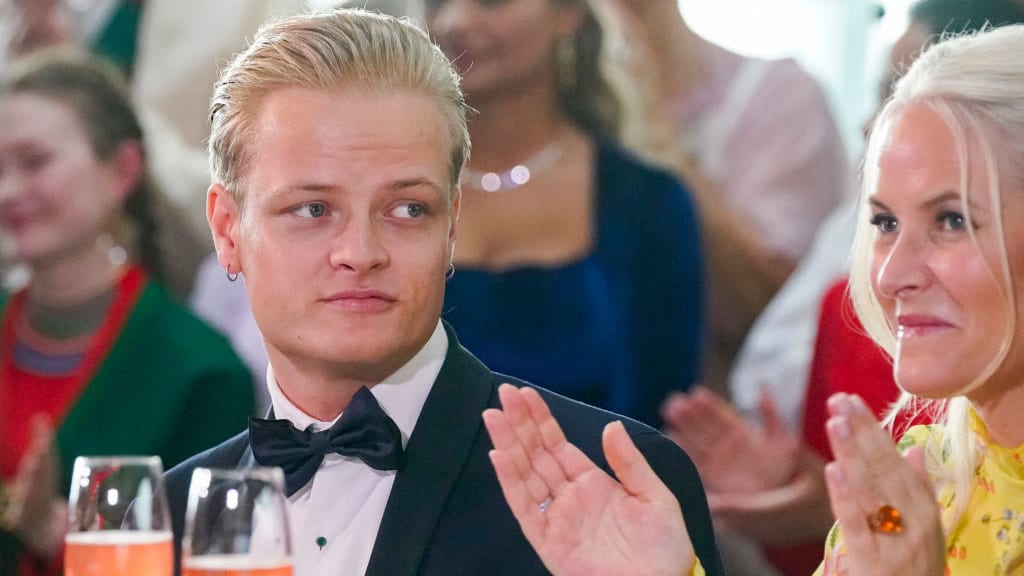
{"points": [[236, 524], [119, 523]]}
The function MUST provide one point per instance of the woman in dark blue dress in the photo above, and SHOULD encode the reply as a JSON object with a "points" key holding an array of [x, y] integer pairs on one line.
{"points": [[578, 267]]}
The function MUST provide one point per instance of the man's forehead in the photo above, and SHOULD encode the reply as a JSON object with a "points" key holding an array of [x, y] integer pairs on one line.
{"points": [[319, 133]]}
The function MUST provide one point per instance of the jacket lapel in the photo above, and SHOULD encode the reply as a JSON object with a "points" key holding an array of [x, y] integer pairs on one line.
{"points": [[445, 432]]}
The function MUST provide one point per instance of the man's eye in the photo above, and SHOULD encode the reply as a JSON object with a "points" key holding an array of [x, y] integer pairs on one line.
{"points": [[409, 210], [311, 210]]}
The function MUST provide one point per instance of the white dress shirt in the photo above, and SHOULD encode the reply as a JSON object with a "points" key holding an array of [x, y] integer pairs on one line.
{"points": [[344, 502]]}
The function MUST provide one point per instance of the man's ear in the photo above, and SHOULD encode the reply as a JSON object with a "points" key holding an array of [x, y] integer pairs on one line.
{"points": [[453, 224], [456, 208], [224, 216]]}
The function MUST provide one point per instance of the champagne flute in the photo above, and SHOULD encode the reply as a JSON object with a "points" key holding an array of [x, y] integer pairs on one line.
{"points": [[119, 520], [236, 524]]}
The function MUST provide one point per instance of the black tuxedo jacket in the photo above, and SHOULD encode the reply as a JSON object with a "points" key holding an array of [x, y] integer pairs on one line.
{"points": [[446, 515]]}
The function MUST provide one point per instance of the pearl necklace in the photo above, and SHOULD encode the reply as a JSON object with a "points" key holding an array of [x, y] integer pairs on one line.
{"points": [[517, 175]]}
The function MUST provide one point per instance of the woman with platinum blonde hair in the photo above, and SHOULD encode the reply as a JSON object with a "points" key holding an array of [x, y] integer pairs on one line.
{"points": [[938, 273]]}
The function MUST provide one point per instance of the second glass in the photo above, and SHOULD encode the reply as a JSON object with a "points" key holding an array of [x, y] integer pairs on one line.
{"points": [[236, 524]]}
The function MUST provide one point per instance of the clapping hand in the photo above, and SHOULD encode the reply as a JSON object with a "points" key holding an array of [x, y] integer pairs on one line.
{"points": [[731, 454], [35, 514], [884, 503], [580, 520], [761, 481]]}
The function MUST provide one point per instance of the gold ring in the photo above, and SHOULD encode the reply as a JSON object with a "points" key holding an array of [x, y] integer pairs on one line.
{"points": [[886, 520]]}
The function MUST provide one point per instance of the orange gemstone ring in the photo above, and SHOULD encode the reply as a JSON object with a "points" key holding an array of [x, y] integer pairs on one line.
{"points": [[886, 520]]}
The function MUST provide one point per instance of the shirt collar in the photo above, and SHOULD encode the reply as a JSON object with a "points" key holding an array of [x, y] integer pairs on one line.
{"points": [[401, 394]]}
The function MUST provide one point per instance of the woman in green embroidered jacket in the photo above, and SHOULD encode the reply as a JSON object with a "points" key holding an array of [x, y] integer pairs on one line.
{"points": [[95, 357]]}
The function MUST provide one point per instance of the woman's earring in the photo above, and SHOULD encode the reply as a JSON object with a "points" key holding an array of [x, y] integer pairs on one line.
{"points": [[451, 271], [232, 276], [115, 252]]}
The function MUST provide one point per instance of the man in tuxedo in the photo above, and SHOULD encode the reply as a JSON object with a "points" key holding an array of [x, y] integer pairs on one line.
{"points": [[336, 145]]}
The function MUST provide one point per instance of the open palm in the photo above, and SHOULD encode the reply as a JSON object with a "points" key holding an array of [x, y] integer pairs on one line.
{"points": [[579, 519], [732, 455]]}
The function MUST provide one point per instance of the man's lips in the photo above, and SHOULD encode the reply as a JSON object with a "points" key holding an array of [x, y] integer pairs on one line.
{"points": [[361, 300]]}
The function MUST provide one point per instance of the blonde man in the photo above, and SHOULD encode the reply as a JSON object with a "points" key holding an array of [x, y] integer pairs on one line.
{"points": [[336, 147]]}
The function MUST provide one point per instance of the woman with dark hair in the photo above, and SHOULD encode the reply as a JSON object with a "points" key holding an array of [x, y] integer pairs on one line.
{"points": [[577, 266], [95, 357]]}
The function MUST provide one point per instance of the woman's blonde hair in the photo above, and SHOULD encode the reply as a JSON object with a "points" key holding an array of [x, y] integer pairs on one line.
{"points": [[975, 83], [330, 51]]}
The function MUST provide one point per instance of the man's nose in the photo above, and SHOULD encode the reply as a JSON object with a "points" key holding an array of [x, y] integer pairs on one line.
{"points": [[358, 246]]}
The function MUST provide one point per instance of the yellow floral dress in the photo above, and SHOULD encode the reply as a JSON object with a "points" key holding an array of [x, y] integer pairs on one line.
{"points": [[989, 540]]}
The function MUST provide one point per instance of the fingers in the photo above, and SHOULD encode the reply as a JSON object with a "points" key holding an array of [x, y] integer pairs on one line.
{"points": [[867, 453], [632, 469], [506, 442], [869, 472], [526, 431], [37, 460], [571, 459], [853, 491], [701, 421], [518, 495], [771, 420], [672, 410], [530, 429]]}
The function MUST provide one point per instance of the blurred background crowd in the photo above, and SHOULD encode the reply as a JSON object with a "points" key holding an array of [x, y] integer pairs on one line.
{"points": [[656, 219]]}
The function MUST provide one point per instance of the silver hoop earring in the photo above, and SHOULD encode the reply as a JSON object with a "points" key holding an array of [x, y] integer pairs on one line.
{"points": [[232, 276], [451, 271]]}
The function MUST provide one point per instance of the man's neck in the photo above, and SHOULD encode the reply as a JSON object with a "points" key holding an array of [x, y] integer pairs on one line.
{"points": [[319, 390]]}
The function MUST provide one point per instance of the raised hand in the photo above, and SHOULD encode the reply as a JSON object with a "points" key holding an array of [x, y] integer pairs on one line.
{"points": [[731, 454], [867, 474], [795, 513], [577, 517], [36, 515]]}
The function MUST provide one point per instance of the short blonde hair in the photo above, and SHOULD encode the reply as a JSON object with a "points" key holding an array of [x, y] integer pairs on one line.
{"points": [[330, 51]]}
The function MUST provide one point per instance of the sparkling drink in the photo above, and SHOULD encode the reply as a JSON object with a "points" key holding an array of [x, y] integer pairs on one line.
{"points": [[118, 553], [235, 565]]}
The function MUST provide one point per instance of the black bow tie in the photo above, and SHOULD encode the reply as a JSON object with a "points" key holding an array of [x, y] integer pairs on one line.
{"points": [[364, 431]]}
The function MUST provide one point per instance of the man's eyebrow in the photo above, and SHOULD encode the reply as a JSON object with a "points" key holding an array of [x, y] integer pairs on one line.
{"points": [[400, 184], [306, 187], [414, 183]]}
